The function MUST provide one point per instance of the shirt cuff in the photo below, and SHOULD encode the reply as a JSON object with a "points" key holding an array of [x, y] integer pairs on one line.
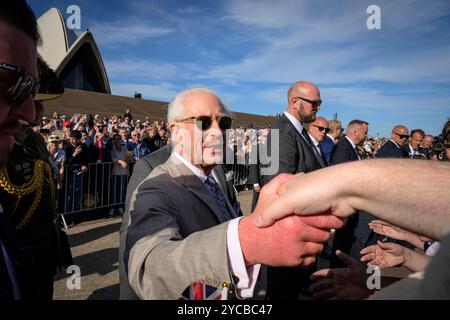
{"points": [[244, 278]]}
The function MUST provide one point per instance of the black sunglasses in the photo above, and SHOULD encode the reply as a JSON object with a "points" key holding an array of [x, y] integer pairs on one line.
{"points": [[314, 103], [23, 84], [205, 122], [402, 136], [327, 130]]}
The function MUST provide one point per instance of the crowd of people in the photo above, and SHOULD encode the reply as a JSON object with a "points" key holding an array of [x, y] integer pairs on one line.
{"points": [[91, 143], [182, 227]]}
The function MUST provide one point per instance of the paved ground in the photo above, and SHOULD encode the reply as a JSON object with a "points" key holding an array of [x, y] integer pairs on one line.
{"points": [[95, 248]]}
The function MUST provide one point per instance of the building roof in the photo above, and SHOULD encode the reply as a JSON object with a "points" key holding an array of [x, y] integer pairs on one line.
{"points": [[79, 101], [63, 51]]}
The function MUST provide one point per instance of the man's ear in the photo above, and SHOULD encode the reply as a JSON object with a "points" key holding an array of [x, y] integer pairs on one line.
{"points": [[294, 103], [174, 130]]}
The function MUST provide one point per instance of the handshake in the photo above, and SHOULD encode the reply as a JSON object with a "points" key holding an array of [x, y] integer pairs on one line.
{"points": [[292, 240], [294, 214]]}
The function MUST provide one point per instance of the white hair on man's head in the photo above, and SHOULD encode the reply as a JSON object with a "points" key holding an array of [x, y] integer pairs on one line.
{"points": [[176, 107]]}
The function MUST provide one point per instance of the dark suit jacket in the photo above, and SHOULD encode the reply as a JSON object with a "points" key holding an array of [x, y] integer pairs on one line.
{"points": [[343, 152], [10, 242], [295, 153], [177, 234], [327, 148], [390, 150], [144, 166], [254, 173]]}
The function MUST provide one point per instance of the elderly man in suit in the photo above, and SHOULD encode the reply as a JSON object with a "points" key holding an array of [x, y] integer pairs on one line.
{"points": [[141, 170], [184, 228], [393, 148], [296, 154]]}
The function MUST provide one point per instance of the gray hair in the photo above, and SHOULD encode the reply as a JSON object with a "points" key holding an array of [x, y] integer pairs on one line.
{"points": [[176, 107]]}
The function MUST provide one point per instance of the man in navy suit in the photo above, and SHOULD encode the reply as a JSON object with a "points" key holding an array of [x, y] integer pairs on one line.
{"points": [[393, 148], [330, 140], [345, 151]]}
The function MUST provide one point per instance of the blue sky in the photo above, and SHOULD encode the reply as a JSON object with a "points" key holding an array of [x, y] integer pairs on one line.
{"points": [[250, 51]]}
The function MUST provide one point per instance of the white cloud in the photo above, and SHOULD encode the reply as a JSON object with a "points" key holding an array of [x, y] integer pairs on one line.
{"points": [[129, 32], [329, 43], [140, 69], [427, 64], [369, 100], [265, 13]]}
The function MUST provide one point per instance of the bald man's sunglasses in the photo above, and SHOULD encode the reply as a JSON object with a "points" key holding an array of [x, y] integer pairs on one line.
{"points": [[402, 136], [327, 130], [19, 83], [314, 103], [205, 122]]}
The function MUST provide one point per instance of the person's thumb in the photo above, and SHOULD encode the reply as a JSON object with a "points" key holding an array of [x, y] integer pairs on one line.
{"points": [[385, 245], [267, 194]]}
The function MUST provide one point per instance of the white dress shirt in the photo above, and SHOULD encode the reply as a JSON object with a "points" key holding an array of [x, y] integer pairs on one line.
{"points": [[331, 137], [354, 146], [395, 143], [316, 144], [247, 275], [297, 124], [413, 152]]}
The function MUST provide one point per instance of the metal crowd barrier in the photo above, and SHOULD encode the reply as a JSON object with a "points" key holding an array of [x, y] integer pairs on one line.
{"points": [[240, 174], [99, 188], [95, 188]]}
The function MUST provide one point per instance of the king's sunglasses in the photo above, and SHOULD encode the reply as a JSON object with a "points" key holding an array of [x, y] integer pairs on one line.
{"points": [[17, 84], [205, 122]]}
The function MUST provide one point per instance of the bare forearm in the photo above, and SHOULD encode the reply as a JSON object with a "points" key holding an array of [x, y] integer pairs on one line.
{"points": [[415, 261], [408, 193]]}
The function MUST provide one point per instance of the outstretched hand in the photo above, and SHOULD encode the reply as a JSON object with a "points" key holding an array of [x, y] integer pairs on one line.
{"points": [[386, 229], [384, 255], [347, 283]]}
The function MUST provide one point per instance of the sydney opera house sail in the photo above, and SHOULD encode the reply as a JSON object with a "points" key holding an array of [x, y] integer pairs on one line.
{"points": [[76, 60]]}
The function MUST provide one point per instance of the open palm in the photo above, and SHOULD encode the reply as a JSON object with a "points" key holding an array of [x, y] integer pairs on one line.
{"points": [[384, 255]]}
